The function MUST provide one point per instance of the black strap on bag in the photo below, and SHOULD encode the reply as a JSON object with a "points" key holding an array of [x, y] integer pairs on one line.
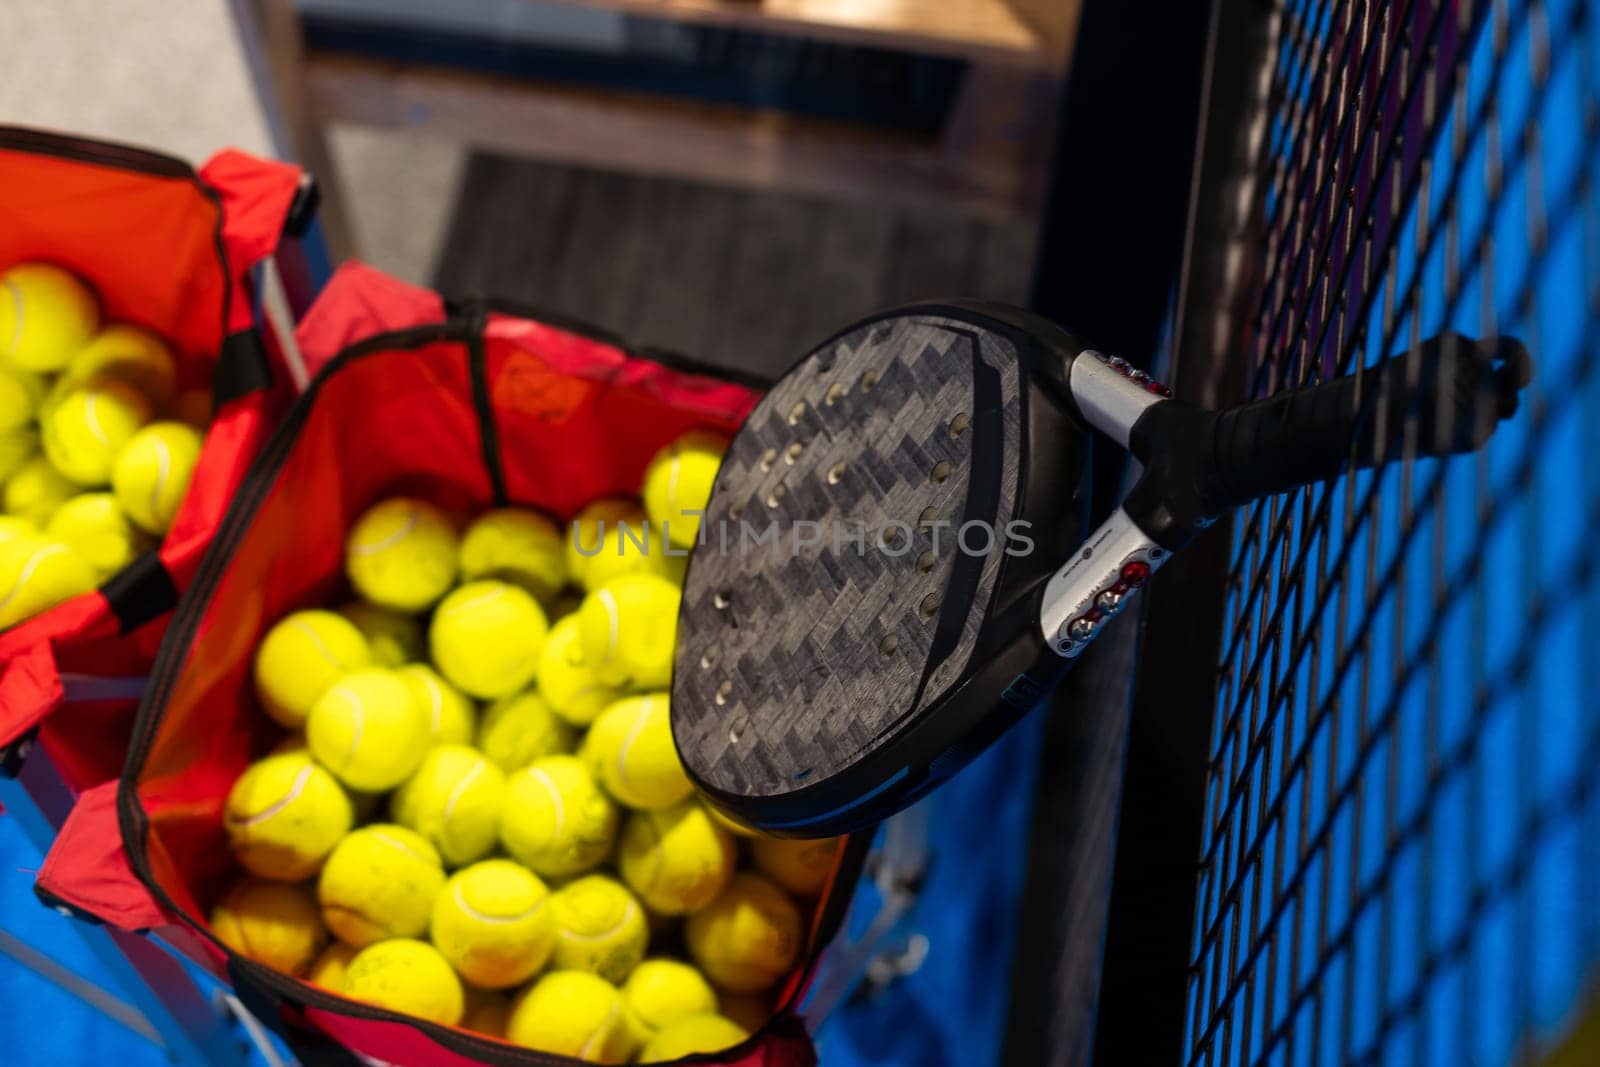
{"points": [[243, 367], [141, 591]]}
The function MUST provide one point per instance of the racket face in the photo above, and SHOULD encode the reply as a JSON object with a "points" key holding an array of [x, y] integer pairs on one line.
{"points": [[850, 555]]}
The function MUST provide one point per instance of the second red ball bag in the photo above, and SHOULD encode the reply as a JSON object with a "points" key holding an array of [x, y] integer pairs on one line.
{"points": [[472, 408]]}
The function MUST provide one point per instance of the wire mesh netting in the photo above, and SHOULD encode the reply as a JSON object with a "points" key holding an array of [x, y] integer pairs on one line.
{"points": [[1401, 849]]}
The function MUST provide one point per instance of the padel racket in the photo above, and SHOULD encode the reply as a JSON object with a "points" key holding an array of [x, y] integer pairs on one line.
{"points": [[895, 563]]}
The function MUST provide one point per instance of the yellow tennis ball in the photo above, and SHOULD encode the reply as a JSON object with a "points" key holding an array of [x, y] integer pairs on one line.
{"points": [[16, 528], [518, 546], [300, 658], [486, 1013], [517, 730], [20, 395], [630, 750], [284, 815], [84, 430], [749, 937], [394, 637], [368, 730], [494, 924], [272, 923], [35, 489], [379, 882], [486, 638], [750, 1010], [46, 315], [677, 860], [634, 549], [96, 528], [401, 554], [454, 801], [800, 866], [406, 976], [452, 718], [36, 575], [566, 681], [599, 927], [17, 447], [708, 1032], [330, 968], [662, 991], [629, 629], [678, 481], [557, 820], [130, 354], [585, 533], [572, 1013], [152, 473]]}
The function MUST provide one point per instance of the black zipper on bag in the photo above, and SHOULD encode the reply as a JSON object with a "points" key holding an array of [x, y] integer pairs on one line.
{"points": [[464, 326]]}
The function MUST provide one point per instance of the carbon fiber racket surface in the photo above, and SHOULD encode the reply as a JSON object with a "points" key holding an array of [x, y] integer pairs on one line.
{"points": [[798, 655]]}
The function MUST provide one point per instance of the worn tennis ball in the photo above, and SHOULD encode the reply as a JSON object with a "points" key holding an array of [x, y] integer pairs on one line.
{"points": [[572, 1013], [454, 801], [299, 660], [517, 730], [662, 991], [38, 574], [708, 1032], [86, 428], [748, 938], [486, 1013], [518, 546], [494, 923], [330, 968], [557, 820], [678, 481], [129, 354], [452, 718], [407, 976], [35, 489], [677, 860], [566, 681], [46, 316], [394, 637], [629, 629], [486, 638], [284, 815], [152, 473], [20, 395], [401, 554], [272, 923], [368, 730], [379, 882], [630, 750], [599, 927], [800, 866], [95, 527]]}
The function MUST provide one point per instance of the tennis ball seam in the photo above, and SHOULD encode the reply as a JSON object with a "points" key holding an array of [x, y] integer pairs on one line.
{"points": [[316, 640], [494, 593], [480, 916], [613, 620], [26, 573], [640, 720], [354, 912], [159, 484], [436, 700], [358, 716], [92, 418], [277, 806], [413, 519], [396, 843], [628, 913], [455, 794], [549, 784], [601, 1032]]}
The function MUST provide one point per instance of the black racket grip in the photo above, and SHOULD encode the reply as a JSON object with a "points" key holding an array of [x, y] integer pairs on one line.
{"points": [[1451, 394]]}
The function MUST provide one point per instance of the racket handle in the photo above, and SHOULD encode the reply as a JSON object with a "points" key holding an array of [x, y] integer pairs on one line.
{"points": [[1451, 396]]}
